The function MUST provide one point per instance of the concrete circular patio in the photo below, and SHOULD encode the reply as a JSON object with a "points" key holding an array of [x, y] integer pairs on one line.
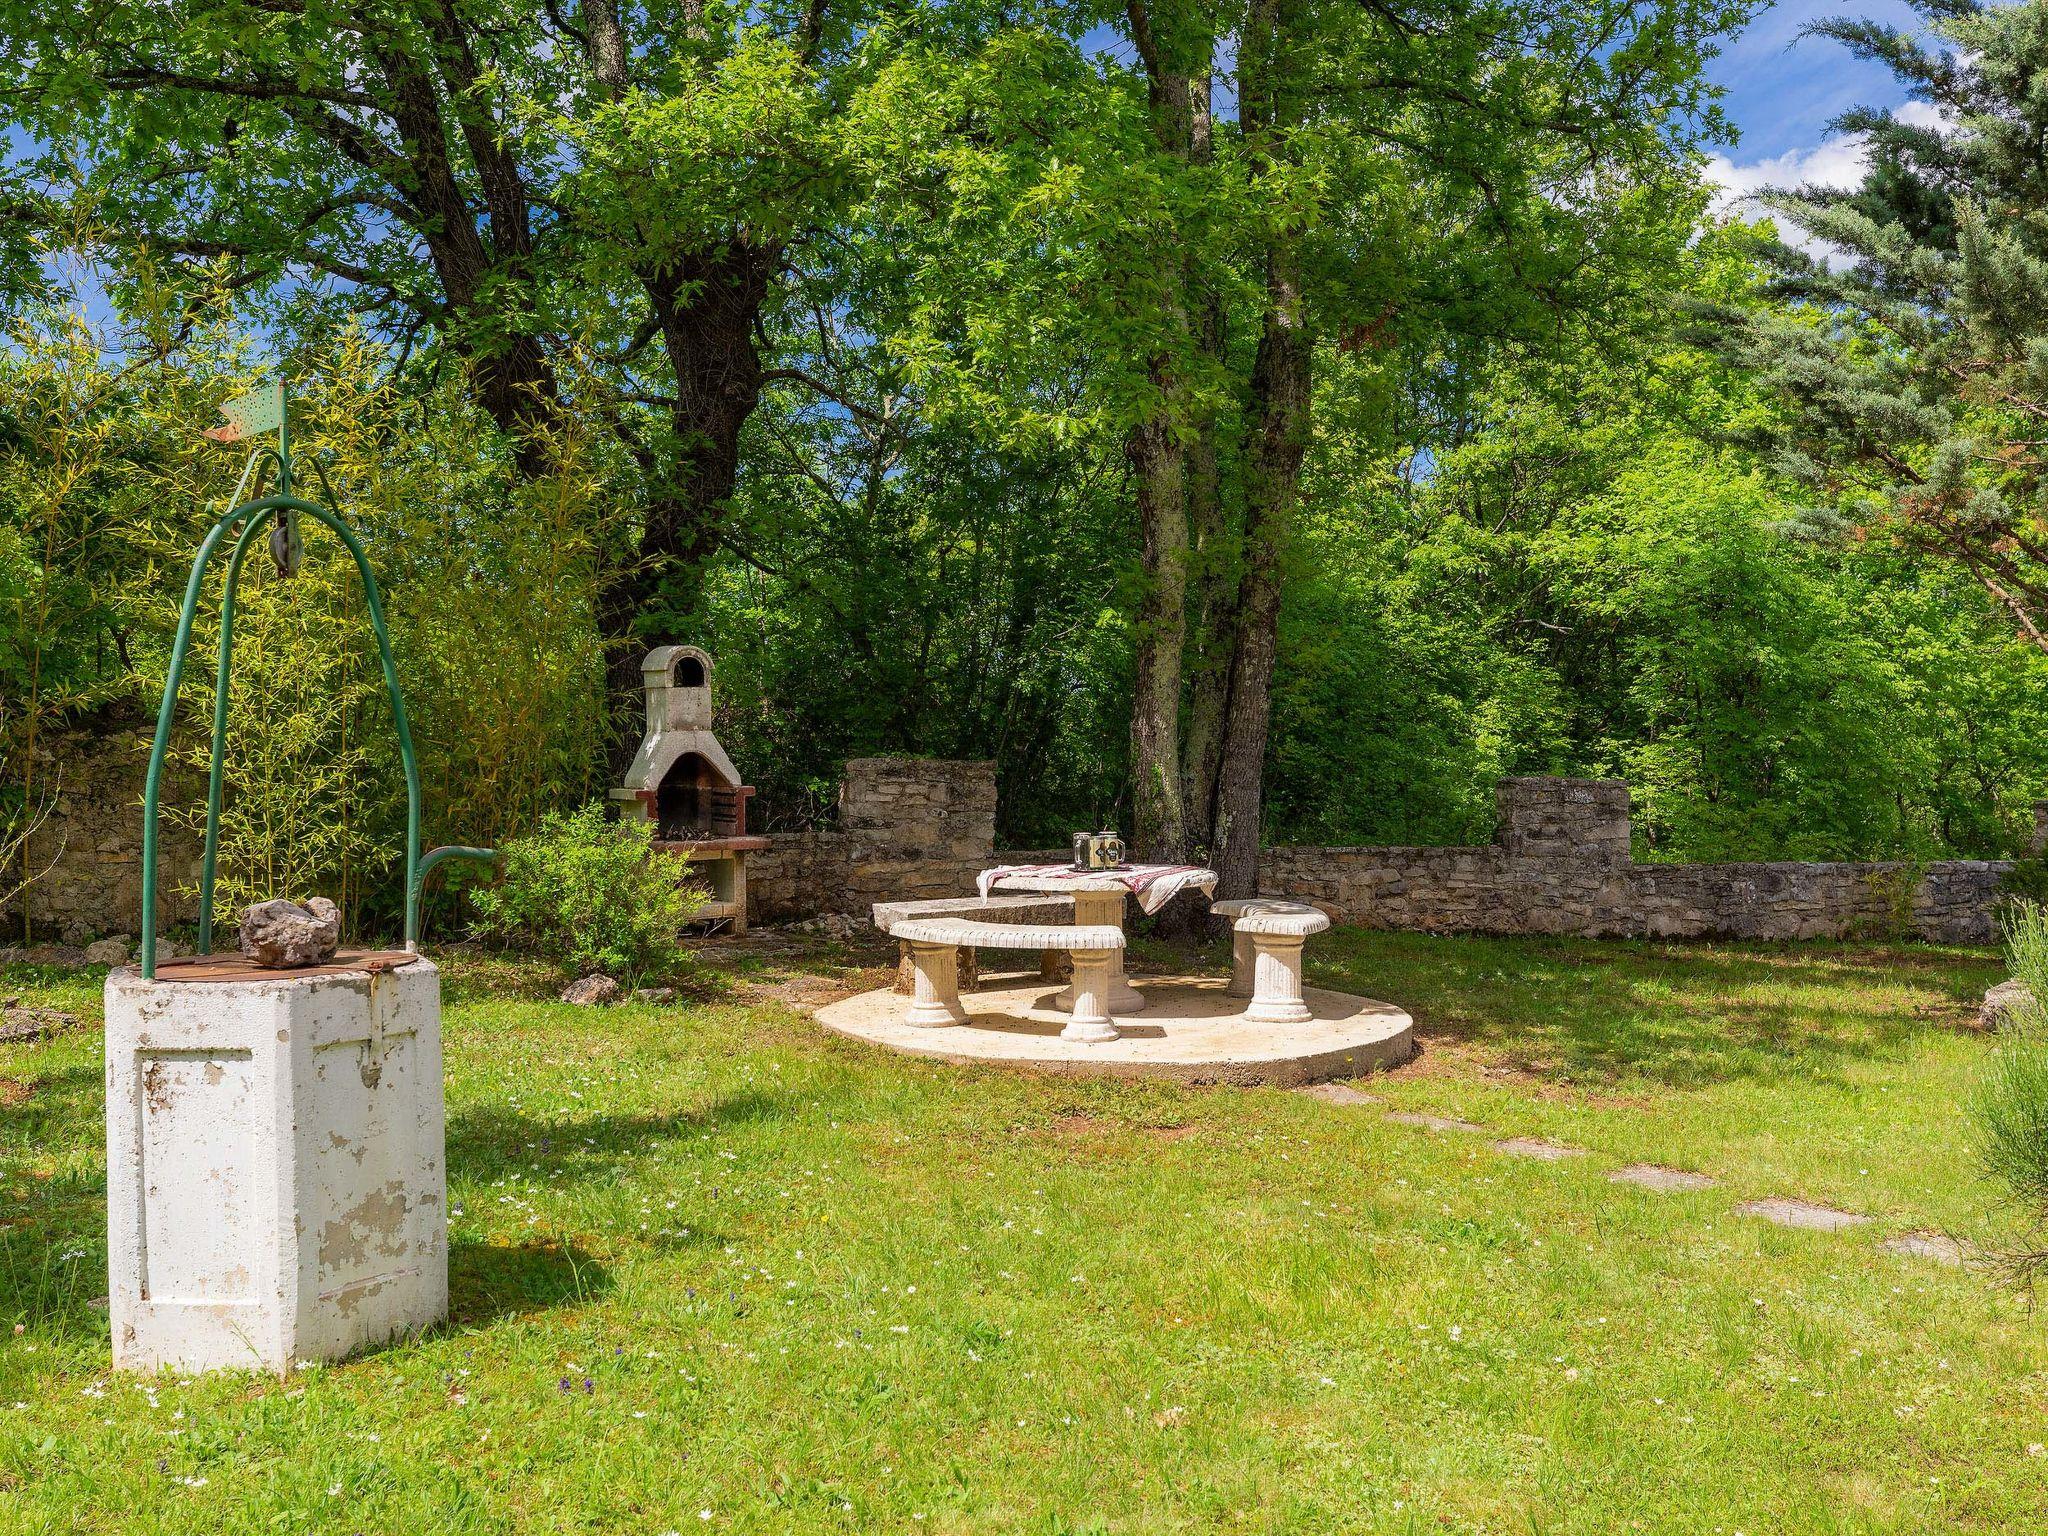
{"points": [[1191, 1031]]}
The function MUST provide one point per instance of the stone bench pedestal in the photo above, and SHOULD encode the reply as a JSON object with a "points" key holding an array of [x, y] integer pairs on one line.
{"points": [[935, 944], [1267, 938]]}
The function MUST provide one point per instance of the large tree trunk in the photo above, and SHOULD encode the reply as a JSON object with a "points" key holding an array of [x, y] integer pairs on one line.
{"points": [[1213, 560], [1177, 84], [707, 307], [1270, 102], [1156, 804], [1240, 786], [1212, 584], [712, 349], [1280, 390]]}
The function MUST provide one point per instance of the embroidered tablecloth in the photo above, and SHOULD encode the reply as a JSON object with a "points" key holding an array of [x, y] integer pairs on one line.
{"points": [[1153, 884]]}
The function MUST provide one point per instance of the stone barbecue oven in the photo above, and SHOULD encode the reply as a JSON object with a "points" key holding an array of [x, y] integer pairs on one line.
{"points": [[683, 782]]}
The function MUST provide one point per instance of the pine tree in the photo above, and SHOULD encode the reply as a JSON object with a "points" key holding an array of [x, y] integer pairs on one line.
{"points": [[1911, 362]]}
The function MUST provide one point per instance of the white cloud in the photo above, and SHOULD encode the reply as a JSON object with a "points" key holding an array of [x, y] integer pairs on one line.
{"points": [[1836, 162]]}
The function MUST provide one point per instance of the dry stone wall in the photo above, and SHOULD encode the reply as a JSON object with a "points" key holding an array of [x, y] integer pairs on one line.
{"points": [[1560, 865], [92, 842], [912, 828], [909, 829]]}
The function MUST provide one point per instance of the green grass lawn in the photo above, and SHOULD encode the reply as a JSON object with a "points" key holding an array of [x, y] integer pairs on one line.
{"points": [[715, 1270]]}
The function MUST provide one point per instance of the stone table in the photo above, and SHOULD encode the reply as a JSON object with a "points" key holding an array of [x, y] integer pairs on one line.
{"points": [[1099, 899]]}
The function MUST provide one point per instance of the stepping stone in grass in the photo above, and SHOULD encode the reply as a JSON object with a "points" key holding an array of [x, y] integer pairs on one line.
{"points": [[1799, 1213], [1542, 1151], [1433, 1122], [1655, 1176], [1925, 1245], [1337, 1093]]}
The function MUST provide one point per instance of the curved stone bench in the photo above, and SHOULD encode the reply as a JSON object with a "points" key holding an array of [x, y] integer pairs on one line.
{"points": [[1267, 936], [935, 944], [1002, 909]]}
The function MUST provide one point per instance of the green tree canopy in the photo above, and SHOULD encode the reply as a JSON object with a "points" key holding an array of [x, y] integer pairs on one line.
{"points": [[1912, 360]]}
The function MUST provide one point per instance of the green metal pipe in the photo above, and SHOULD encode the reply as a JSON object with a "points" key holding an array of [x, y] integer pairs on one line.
{"points": [[260, 462], [153, 786], [453, 851], [450, 851], [217, 764], [154, 782]]}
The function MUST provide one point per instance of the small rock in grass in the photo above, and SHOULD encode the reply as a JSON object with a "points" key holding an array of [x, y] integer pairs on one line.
{"points": [[1338, 1093], [591, 991], [18, 1024], [1800, 1213], [282, 935], [1655, 1176], [1542, 1151], [2001, 1001], [1433, 1122], [654, 994], [109, 951]]}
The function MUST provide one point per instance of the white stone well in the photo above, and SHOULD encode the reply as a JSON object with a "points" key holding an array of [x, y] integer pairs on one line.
{"points": [[276, 1177]]}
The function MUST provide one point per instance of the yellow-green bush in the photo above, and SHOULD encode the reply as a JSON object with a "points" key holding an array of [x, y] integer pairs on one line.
{"points": [[2010, 1109], [591, 894], [489, 579]]}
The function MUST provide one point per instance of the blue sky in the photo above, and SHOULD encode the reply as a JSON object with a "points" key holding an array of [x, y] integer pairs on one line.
{"points": [[1783, 90]]}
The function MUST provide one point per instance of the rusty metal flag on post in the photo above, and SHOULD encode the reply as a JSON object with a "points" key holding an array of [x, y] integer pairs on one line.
{"points": [[260, 410]]}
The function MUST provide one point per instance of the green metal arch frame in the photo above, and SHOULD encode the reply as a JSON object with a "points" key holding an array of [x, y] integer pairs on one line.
{"points": [[255, 515]]}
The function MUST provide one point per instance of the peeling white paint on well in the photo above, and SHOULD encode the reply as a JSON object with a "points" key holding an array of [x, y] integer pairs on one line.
{"points": [[276, 1187]]}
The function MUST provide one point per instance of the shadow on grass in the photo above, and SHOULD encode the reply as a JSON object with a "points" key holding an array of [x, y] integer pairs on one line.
{"points": [[486, 1141], [488, 1283], [1677, 1015]]}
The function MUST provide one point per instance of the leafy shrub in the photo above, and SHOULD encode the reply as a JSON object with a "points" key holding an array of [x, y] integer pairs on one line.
{"points": [[590, 893], [2025, 882], [490, 578], [2010, 1108]]}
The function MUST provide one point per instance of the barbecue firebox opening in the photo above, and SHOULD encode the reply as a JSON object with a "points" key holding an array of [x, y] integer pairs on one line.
{"points": [[694, 802]]}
